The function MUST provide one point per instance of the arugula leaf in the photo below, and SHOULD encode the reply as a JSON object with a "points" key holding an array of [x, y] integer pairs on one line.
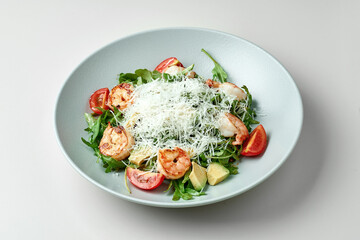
{"points": [[194, 192], [113, 118], [177, 193], [92, 145], [186, 176], [250, 114], [186, 196], [90, 120], [127, 77], [140, 76], [249, 96], [145, 74], [169, 187], [168, 77], [109, 163], [184, 189], [232, 168], [218, 72], [95, 129], [156, 74], [181, 186], [243, 110], [188, 69]]}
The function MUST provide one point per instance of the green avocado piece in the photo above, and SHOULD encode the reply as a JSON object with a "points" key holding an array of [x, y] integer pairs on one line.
{"points": [[138, 155], [216, 173], [198, 176]]}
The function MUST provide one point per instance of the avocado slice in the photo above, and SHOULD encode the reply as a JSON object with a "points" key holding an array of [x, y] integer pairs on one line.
{"points": [[198, 176], [138, 155], [217, 173]]}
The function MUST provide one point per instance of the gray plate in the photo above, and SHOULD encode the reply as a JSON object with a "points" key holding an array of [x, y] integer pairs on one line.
{"points": [[276, 97]]}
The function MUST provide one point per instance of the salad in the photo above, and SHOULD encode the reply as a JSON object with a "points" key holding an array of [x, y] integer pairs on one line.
{"points": [[172, 124]]}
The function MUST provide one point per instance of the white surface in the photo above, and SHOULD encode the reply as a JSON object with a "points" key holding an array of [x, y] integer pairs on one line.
{"points": [[314, 195]]}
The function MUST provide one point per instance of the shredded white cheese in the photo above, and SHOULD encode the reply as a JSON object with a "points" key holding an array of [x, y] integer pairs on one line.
{"points": [[176, 114]]}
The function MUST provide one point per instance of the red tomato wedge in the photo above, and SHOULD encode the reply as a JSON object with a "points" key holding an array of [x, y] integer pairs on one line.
{"points": [[168, 63], [144, 180], [99, 99], [256, 143]]}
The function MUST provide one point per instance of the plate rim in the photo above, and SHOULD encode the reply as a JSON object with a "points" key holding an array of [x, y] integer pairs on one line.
{"points": [[180, 204]]}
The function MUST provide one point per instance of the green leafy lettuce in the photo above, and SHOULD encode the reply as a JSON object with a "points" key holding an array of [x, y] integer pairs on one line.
{"points": [[96, 128], [218, 72], [183, 189]]}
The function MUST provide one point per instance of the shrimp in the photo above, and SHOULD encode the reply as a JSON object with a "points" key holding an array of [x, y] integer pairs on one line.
{"points": [[228, 88], [173, 70], [230, 126], [212, 84], [116, 142], [173, 164], [121, 96]]}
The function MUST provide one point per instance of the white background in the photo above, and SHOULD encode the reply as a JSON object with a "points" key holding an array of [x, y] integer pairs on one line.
{"points": [[314, 195]]}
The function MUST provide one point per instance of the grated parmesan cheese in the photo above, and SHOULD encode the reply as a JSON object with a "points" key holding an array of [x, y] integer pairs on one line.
{"points": [[176, 114]]}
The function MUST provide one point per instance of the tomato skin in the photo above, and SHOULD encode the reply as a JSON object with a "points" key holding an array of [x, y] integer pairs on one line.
{"points": [[99, 99], [144, 180], [256, 143], [172, 61]]}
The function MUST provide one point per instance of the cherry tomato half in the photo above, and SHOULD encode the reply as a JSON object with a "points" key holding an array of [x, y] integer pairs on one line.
{"points": [[168, 63], [144, 180], [256, 143], [99, 99]]}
